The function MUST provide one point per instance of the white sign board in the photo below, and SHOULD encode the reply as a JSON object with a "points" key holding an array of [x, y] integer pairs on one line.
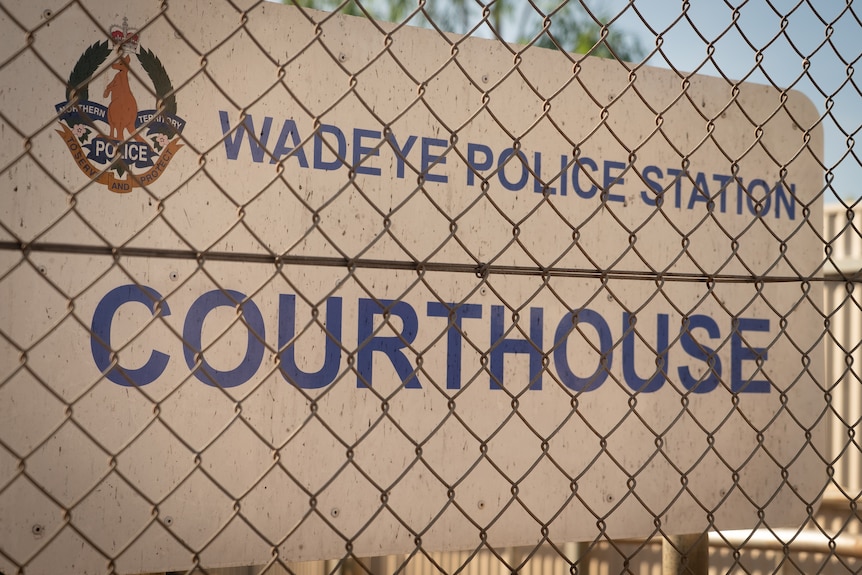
{"points": [[459, 269]]}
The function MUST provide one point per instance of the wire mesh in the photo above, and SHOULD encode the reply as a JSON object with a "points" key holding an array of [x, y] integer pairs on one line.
{"points": [[297, 291]]}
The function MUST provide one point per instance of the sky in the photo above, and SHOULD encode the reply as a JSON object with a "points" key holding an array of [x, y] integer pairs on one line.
{"points": [[828, 39]]}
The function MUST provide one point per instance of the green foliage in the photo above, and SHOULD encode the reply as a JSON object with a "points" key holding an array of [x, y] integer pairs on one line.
{"points": [[88, 63], [345, 6], [161, 82], [571, 27], [574, 30]]}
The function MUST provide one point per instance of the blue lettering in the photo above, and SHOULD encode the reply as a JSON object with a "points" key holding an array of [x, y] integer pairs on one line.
{"points": [[361, 152], [401, 153], [723, 181], [193, 333], [390, 346], [756, 206], [430, 160], [100, 335], [740, 351], [539, 187], [500, 346], [700, 191], [788, 200], [677, 185], [576, 184], [655, 186], [658, 377], [455, 313], [289, 130], [511, 340], [564, 181], [474, 167], [332, 348], [503, 161], [699, 351], [340, 151], [567, 325], [611, 180], [257, 145]]}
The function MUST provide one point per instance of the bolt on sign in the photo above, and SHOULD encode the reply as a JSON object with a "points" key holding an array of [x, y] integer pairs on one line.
{"points": [[277, 282]]}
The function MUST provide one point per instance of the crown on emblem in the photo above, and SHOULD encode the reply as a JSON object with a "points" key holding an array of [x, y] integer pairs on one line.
{"points": [[125, 38]]}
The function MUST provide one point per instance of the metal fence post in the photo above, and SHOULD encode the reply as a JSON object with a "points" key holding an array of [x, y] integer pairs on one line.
{"points": [[685, 555]]}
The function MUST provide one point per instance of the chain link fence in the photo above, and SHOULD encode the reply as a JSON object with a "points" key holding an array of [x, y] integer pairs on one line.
{"points": [[291, 291]]}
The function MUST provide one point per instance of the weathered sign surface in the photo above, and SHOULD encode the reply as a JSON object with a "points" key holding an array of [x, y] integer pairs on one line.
{"points": [[480, 300]]}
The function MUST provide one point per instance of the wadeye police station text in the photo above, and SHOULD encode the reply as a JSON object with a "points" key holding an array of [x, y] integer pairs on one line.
{"points": [[583, 178]]}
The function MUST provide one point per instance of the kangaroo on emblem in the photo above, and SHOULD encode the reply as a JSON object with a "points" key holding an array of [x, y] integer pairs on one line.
{"points": [[123, 108]]}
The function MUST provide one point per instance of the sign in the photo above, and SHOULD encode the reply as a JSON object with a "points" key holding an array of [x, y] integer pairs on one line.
{"points": [[306, 291]]}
